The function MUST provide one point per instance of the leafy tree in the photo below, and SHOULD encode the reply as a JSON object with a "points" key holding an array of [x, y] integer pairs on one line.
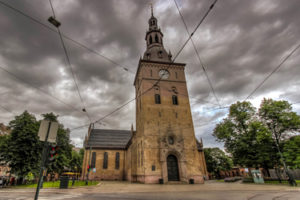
{"points": [[3, 146], [291, 152], [282, 122], [279, 118], [76, 161], [64, 147], [21, 150], [247, 139], [217, 161], [255, 139]]}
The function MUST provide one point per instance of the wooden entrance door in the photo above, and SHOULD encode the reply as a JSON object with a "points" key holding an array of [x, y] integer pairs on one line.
{"points": [[172, 164]]}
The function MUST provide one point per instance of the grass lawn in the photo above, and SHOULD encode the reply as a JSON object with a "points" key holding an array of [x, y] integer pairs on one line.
{"points": [[55, 184], [282, 182], [275, 183]]}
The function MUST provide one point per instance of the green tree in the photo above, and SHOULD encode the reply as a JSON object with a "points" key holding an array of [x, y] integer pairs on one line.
{"points": [[76, 161], [282, 122], [22, 149], [3, 147], [279, 118], [64, 151], [247, 139], [217, 161], [291, 152]]}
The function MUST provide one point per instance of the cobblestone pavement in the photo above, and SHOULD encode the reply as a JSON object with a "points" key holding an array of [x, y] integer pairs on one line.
{"points": [[124, 190]]}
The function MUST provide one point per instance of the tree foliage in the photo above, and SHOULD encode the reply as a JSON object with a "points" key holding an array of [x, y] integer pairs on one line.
{"points": [[76, 161], [21, 150], [279, 118], [217, 161], [291, 152], [254, 138], [245, 137]]}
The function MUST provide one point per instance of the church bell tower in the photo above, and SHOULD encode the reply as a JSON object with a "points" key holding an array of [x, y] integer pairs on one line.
{"points": [[164, 147]]}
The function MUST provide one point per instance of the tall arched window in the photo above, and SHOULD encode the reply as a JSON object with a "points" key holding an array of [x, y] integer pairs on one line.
{"points": [[117, 166], [105, 160], [156, 38], [174, 100], [150, 39], [157, 98]]}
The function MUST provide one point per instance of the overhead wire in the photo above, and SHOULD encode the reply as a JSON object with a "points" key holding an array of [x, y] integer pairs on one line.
{"points": [[70, 66], [198, 56], [124, 67], [6, 109], [39, 89], [169, 64], [274, 70]]}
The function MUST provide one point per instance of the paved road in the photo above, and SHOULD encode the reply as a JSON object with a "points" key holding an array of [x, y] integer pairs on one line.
{"points": [[127, 191]]}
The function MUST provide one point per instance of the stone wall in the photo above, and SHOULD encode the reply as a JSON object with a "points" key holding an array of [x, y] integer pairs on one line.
{"points": [[111, 173]]}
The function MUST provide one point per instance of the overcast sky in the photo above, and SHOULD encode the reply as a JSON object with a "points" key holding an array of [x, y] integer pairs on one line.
{"points": [[240, 43]]}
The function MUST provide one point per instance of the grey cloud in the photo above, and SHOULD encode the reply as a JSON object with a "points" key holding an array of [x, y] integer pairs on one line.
{"points": [[240, 43]]}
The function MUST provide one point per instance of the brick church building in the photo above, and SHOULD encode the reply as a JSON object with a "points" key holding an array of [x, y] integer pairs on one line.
{"points": [[164, 147]]}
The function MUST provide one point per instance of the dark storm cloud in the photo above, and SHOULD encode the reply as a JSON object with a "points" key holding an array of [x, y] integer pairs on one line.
{"points": [[240, 43]]}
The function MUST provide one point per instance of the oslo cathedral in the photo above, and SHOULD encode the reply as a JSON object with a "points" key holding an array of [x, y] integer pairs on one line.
{"points": [[164, 147]]}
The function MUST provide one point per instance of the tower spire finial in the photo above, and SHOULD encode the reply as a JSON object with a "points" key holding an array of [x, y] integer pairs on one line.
{"points": [[151, 9]]}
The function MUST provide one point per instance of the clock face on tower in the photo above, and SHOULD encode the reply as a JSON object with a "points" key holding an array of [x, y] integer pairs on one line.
{"points": [[163, 74]]}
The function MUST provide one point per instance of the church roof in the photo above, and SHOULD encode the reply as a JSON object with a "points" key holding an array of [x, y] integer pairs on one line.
{"points": [[108, 139]]}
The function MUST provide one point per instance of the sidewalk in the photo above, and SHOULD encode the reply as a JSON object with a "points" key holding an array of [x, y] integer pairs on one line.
{"points": [[127, 187]]}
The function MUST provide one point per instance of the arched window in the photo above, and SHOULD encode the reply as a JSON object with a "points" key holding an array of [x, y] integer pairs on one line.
{"points": [[117, 165], [150, 39], [157, 98], [105, 160], [156, 38], [174, 100]]}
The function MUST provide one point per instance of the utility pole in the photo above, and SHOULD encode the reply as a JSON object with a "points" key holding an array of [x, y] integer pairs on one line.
{"points": [[43, 168], [89, 163]]}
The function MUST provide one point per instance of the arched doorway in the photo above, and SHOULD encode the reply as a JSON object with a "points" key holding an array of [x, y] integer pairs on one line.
{"points": [[173, 172]]}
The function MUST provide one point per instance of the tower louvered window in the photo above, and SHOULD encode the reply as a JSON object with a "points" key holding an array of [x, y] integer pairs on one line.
{"points": [[156, 38], [175, 100], [157, 98]]}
